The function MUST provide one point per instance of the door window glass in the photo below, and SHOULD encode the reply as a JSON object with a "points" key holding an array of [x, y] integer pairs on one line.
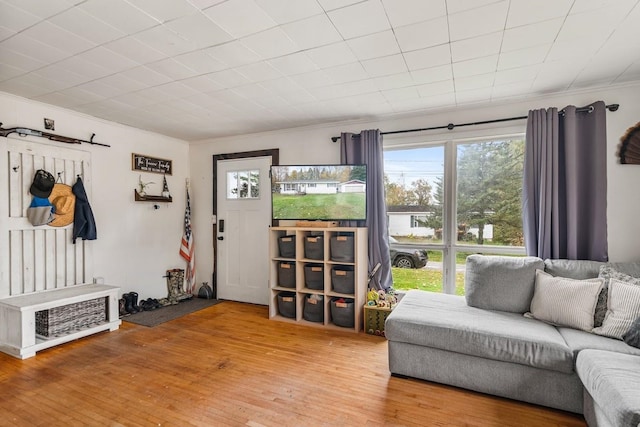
{"points": [[243, 184]]}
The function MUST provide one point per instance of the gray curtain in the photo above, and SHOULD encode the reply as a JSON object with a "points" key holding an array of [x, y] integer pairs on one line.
{"points": [[366, 148], [564, 203]]}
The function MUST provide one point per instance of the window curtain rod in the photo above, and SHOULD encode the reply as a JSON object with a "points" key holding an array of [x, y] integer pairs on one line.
{"points": [[450, 126]]}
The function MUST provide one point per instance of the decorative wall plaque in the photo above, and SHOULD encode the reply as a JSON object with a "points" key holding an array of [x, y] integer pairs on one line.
{"points": [[140, 162]]}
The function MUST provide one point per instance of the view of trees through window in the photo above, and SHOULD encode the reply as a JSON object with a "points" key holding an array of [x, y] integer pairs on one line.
{"points": [[485, 207]]}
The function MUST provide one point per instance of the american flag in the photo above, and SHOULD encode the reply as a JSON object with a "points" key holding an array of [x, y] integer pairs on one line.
{"points": [[187, 248]]}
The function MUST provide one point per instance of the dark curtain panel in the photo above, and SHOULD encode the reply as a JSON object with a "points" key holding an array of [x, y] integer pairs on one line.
{"points": [[564, 201], [366, 148]]}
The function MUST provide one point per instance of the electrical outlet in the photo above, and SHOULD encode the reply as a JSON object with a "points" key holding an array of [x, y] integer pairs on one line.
{"points": [[49, 124]]}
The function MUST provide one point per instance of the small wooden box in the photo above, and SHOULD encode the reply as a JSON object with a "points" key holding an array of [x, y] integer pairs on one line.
{"points": [[374, 318]]}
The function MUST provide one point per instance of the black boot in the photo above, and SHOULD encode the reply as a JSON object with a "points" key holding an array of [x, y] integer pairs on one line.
{"points": [[122, 307], [128, 303], [134, 301]]}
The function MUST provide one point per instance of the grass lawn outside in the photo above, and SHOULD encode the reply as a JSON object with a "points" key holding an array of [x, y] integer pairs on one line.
{"points": [[423, 279]]}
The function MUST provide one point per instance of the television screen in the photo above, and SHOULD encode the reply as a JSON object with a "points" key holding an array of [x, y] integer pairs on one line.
{"points": [[319, 192]]}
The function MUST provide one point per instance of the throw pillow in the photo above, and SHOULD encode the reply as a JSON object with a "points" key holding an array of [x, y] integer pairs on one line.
{"points": [[632, 336], [607, 272], [565, 302], [623, 307], [500, 282]]}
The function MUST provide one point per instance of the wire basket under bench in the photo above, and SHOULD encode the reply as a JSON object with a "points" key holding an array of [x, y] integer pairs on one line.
{"points": [[69, 318]]}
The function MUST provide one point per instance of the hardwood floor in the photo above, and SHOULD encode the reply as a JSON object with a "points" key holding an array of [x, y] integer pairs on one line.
{"points": [[230, 365]]}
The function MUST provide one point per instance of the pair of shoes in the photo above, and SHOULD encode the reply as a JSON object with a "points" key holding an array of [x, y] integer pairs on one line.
{"points": [[122, 308], [131, 302], [149, 304]]}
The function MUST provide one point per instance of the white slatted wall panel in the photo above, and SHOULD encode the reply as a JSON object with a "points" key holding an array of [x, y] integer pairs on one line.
{"points": [[38, 258]]}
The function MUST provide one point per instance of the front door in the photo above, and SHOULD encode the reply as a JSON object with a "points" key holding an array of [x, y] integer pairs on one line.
{"points": [[243, 201]]}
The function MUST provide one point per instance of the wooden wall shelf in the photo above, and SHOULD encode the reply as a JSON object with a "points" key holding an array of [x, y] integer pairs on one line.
{"points": [[148, 198]]}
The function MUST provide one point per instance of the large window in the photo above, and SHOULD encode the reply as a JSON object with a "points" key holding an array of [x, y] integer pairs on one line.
{"points": [[451, 200]]}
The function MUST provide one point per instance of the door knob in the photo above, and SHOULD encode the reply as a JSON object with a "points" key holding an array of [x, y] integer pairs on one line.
{"points": [[220, 238]]}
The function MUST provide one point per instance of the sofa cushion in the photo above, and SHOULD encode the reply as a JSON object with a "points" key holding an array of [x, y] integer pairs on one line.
{"points": [[500, 282], [623, 307], [446, 322], [565, 302], [581, 340], [573, 269], [632, 336], [613, 381]]}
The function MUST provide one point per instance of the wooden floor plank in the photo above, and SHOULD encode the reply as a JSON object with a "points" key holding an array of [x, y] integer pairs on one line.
{"points": [[228, 365]]}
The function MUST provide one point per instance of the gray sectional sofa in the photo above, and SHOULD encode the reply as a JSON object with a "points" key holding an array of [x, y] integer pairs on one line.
{"points": [[485, 342]]}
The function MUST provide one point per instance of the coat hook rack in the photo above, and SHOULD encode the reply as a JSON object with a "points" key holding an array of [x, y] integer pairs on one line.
{"points": [[15, 168]]}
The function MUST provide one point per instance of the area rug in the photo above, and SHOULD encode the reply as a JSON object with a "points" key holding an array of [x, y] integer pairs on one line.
{"points": [[171, 312]]}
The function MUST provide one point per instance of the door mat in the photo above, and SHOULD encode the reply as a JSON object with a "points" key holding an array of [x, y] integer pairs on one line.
{"points": [[171, 312]]}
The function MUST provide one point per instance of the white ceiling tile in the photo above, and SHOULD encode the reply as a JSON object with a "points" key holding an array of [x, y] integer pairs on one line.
{"points": [[99, 89], [119, 14], [284, 11], [374, 45], [201, 84], [476, 22], [437, 88], [164, 11], [332, 55], [42, 9], [350, 23], [476, 47], [58, 38], [296, 63], [175, 69], [347, 73], [135, 50], [312, 32], [15, 19], [405, 12], [313, 79], [84, 25], [165, 41], [573, 49], [523, 12], [401, 94], [146, 75], [5, 33], [455, 6], [385, 66], [60, 99], [23, 43], [83, 67], [531, 35], [203, 4], [515, 75], [511, 91], [233, 54], [474, 82], [270, 43], [429, 57], [80, 95], [8, 72], [423, 34], [433, 74], [394, 81], [488, 64], [259, 71], [600, 24], [589, 5], [27, 86], [199, 30], [252, 90], [473, 95], [108, 59], [282, 85], [335, 4], [60, 76], [240, 17], [228, 78], [523, 57], [121, 83], [176, 90], [630, 74], [199, 62], [19, 60]]}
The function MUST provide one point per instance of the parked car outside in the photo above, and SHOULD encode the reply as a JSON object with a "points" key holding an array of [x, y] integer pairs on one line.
{"points": [[406, 256]]}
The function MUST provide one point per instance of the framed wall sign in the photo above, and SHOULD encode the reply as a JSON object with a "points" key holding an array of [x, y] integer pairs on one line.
{"points": [[140, 162]]}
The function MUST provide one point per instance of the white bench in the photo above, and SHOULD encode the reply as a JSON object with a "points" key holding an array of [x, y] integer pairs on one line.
{"points": [[18, 317]]}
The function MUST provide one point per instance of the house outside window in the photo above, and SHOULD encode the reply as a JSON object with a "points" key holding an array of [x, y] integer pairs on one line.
{"points": [[458, 198]]}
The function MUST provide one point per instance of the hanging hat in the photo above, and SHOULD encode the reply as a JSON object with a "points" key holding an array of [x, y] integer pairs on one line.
{"points": [[42, 184], [64, 202]]}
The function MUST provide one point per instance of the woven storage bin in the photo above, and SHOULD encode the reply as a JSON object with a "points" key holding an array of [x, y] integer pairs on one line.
{"points": [[287, 304], [69, 318], [342, 248], [287, 246], [314, 276], [287, 274], [342, 313], [314, 247], [313, 308], [342, 280], [374, 318]]}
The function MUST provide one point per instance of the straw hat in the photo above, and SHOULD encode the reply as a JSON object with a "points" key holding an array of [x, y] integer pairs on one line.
{"points": [[64, 202]]}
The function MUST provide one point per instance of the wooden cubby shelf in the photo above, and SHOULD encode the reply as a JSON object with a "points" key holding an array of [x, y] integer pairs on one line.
{"points": [[320, 264]]}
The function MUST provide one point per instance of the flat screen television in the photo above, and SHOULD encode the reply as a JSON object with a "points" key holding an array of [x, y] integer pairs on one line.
{"points": [[319, 192]]}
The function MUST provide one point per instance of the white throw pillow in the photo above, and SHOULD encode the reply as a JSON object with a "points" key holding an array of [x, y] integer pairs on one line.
{"points": [[565, 302], [623, 307]]}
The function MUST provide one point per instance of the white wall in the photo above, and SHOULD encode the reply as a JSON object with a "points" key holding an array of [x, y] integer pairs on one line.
{"points": [[136, 244], [313, 145]]}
